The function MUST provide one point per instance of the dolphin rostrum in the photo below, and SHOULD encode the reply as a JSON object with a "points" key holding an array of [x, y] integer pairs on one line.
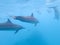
{"points": [[9, 26], [28, 19]]}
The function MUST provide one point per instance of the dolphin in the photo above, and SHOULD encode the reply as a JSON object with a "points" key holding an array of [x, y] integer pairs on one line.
{"points": [[56, 12], [52, 5], [28, 19], [9, 26]]}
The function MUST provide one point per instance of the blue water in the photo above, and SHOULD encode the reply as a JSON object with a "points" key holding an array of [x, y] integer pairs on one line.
{"points": [[47, 32]]}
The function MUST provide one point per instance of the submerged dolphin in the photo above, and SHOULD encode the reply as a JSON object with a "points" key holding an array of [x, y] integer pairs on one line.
{"points": [[52, 5], [28, 19], [9, 26], [56, 12]]}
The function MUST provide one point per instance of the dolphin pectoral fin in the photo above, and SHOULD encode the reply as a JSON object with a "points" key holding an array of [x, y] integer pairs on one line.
{"points": [[35, 24], [16, 31], [32, 15]]}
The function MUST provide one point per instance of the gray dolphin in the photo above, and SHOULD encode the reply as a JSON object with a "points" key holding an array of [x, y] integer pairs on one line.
{"points": [[9, 26], [56, 12], [28, 19]]}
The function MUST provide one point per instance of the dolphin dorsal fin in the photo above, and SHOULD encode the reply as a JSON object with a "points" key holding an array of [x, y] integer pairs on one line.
{"points": [[8, 21], [32, 14]]}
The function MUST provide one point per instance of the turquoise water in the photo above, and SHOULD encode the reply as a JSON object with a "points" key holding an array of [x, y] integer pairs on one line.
{"points": [[47, 32]]}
